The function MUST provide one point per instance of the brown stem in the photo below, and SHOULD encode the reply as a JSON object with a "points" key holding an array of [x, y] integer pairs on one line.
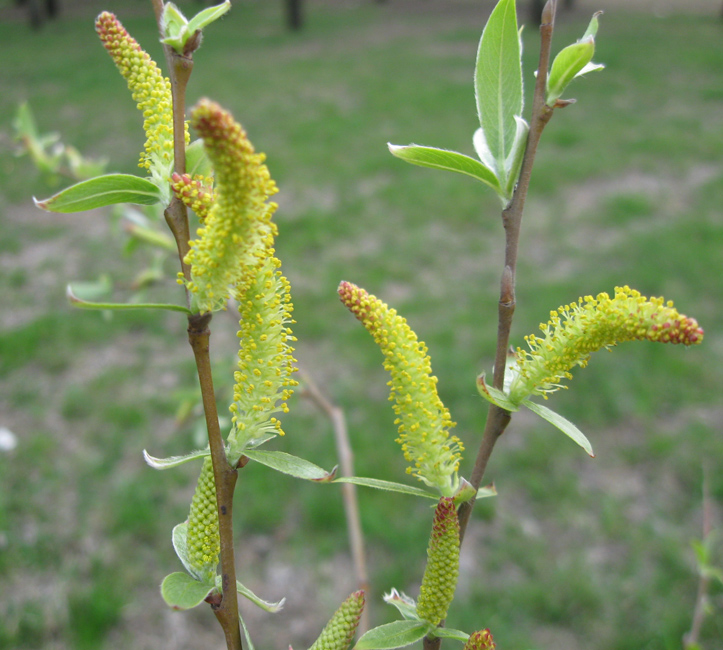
{"points": [[348, 490], [497, 418], [225, 478]]}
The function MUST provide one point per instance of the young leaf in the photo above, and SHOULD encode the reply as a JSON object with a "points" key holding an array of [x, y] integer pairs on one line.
{"points": [[449, 633], [207, 16], [179, 537], [181, 591], [174, 461], [291, 465], [567, 427], [394, 635], [390, 486], [444, 159], [266, 605], [404, 604], [497, 397], [101, 191], [573, 61], [197, 162], [498, 81], [114, 306]]}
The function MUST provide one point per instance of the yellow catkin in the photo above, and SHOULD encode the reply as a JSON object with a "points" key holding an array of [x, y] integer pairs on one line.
{"points": [[577, 330], [423, 420], [151, 92], [237, 231]]}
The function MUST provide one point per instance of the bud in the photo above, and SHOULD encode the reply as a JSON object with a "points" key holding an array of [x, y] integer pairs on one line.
{"points": [[422, 418], [263, 381], [339, 631], [442, 571], [202, 540], [481, 640], [575, 331], [196, 193], [151, 91], [237, 232]]}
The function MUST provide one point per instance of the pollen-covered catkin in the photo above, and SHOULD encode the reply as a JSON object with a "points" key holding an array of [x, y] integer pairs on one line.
{"points": [[339, 631], [151, 92], [577, 330], [423, 420], [202, 540], [442, 571]]}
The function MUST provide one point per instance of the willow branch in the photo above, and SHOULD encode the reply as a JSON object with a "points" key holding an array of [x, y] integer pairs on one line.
{"points": [[348, 490], [497, 418], [225, 477]]}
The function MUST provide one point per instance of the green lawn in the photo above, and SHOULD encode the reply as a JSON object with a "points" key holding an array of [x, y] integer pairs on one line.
{"points": [[628, 189]]}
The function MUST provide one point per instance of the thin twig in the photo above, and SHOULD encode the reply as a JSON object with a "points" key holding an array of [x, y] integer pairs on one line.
{"points": [[176, 214], [497, 418], [348, 490], [690, 639], [225, 478]]}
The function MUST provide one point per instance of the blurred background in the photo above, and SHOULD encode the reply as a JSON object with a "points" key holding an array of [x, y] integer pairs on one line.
{"points": [[628, 189]]}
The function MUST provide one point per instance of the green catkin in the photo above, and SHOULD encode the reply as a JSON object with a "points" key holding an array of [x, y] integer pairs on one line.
{"points": [[575, 331], [481, 640], [423, 420], [203, 543], [340, 629], [442, 571]]}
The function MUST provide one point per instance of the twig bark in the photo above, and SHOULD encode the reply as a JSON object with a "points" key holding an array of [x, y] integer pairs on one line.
{"points": [[225, 478], [180, 67], [348, 490], [497, 418]]}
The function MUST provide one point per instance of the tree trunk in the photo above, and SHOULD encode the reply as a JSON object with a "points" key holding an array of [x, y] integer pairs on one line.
{"points": [[294, 11]]}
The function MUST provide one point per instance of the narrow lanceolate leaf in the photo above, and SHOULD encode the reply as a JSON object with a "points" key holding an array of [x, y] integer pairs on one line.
{"points": [[291, 465], [498, 81], [567, 427], [266, 605], [449, 633], [340, 629], [181, 591], [389, 486], [394, 635], [101, 191], [444, 159], [114, 306], [174, 461]]}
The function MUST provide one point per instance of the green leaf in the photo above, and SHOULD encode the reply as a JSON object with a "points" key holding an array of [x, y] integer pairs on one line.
{"points": [[101, 191], [394, 635], [389, 486], [567, 427], [83, 291], [249, 644], [566, 66], [444, 159], [487, 491], [449, 633], [498, 81], [291, 465], [404, 604], [513, 164], [181, 591], [174, 461], [207, 16], [179, 538], [266, 605], [497, 397], [124, 306], [573, 61]]}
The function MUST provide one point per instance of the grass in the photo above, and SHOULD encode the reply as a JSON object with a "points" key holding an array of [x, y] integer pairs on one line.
{"points": [[628, 190]]}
